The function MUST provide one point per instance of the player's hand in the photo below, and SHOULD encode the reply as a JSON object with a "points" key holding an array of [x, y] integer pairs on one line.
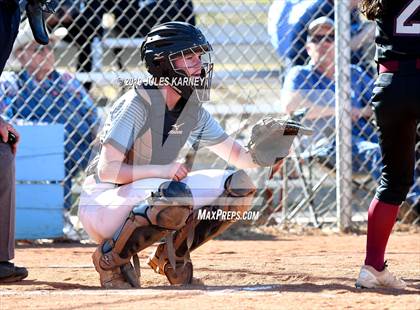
{"points": [[3, 131], [4, 134], [176, 171]]}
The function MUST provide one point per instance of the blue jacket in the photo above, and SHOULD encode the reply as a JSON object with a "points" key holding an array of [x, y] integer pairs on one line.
{"points": [[60, 98], [320, 90], [288, 21]]}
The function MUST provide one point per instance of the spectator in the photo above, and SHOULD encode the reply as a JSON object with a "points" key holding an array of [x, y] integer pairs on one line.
{"points": [[312, 86], [82, 19], [287, 26], [40, 93]]}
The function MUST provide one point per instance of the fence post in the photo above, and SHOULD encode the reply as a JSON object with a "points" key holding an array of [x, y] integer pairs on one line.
{"points": [[343, 113]]}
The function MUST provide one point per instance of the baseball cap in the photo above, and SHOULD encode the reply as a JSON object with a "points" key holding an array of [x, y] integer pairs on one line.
{"points": [[320, 21]]}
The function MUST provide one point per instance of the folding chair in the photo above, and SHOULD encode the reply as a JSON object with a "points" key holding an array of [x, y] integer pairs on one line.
{"points": [[307, 183]]}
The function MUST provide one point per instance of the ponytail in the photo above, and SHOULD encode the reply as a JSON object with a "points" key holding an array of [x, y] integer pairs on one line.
{"points": [[372, 9]]}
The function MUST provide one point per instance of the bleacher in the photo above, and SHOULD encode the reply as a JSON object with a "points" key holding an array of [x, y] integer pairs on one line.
{"points": [[226, 38]]}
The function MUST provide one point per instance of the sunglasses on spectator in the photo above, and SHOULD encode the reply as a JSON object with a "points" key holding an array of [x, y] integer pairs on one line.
{"points": [[321, 38]]}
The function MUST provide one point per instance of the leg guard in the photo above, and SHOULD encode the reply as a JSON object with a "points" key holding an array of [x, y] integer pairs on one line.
{"points": [[165, 211], [172, 258]]}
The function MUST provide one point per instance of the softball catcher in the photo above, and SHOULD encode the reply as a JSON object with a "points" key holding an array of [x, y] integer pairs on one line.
{"points": [[136, 193]]}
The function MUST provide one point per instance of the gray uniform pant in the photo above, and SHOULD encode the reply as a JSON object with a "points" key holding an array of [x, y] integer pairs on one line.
{"points": [[7, 203]]}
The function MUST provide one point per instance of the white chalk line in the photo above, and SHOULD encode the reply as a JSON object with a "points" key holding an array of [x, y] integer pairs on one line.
{"points": [[138, 292]]}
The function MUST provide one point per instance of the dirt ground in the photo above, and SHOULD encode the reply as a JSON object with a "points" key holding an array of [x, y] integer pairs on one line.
{"points": [[271, 272]]}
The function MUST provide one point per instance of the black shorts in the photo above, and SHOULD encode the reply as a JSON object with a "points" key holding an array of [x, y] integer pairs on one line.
{"points": [[396, 101]]}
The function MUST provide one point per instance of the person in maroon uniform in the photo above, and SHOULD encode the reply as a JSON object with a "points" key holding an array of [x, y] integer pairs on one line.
{"points": [[396, 101]]}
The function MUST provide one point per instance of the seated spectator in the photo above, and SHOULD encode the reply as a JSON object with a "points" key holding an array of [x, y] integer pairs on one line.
{"points": [[82, 19], [40, 93], [287, 25], [312, 86]]}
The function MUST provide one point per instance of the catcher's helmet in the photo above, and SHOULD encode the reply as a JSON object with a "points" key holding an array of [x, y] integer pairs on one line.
{"points": [[173, 40]]}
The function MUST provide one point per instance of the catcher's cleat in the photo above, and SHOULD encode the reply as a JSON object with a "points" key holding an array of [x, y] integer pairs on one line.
{"points": [[165, 211], [110, 279], [182, 274], [369, 277], [132, 274], [35, 11]]}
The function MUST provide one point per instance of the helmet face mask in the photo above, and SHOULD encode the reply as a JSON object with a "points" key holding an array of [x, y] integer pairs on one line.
{"points": [[179, 52], [194, 63]]}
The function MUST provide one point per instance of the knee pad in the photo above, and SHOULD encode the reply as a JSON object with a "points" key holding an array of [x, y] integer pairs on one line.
{"points": [[237, 196], [169, 207], [239, 190], [166, 210], [239, 184]]}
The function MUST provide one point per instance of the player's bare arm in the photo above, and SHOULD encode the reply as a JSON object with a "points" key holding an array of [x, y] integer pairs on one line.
{"points": [[293, 101], [112, 169]]}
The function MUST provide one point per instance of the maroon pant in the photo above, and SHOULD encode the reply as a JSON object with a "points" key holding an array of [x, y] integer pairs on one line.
{"points": [[7, 203]]}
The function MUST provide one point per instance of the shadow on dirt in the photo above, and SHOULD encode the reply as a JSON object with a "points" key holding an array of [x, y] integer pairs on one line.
{"points": [[307, 287], [294, 287], [52, 285]]}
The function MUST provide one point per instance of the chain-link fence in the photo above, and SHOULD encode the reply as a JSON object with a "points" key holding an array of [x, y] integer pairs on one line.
{"points": [[264, 53]]}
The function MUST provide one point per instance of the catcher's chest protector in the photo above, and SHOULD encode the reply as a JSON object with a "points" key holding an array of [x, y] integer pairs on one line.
{"points": [[151, 147]]}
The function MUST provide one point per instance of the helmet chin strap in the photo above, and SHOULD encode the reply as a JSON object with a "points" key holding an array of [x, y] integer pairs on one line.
{"points": [[182, 90], [187, 91], [184, 94]]}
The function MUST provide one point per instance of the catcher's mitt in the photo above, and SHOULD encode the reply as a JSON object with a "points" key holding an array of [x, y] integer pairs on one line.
{"points": [[272, 138]]}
